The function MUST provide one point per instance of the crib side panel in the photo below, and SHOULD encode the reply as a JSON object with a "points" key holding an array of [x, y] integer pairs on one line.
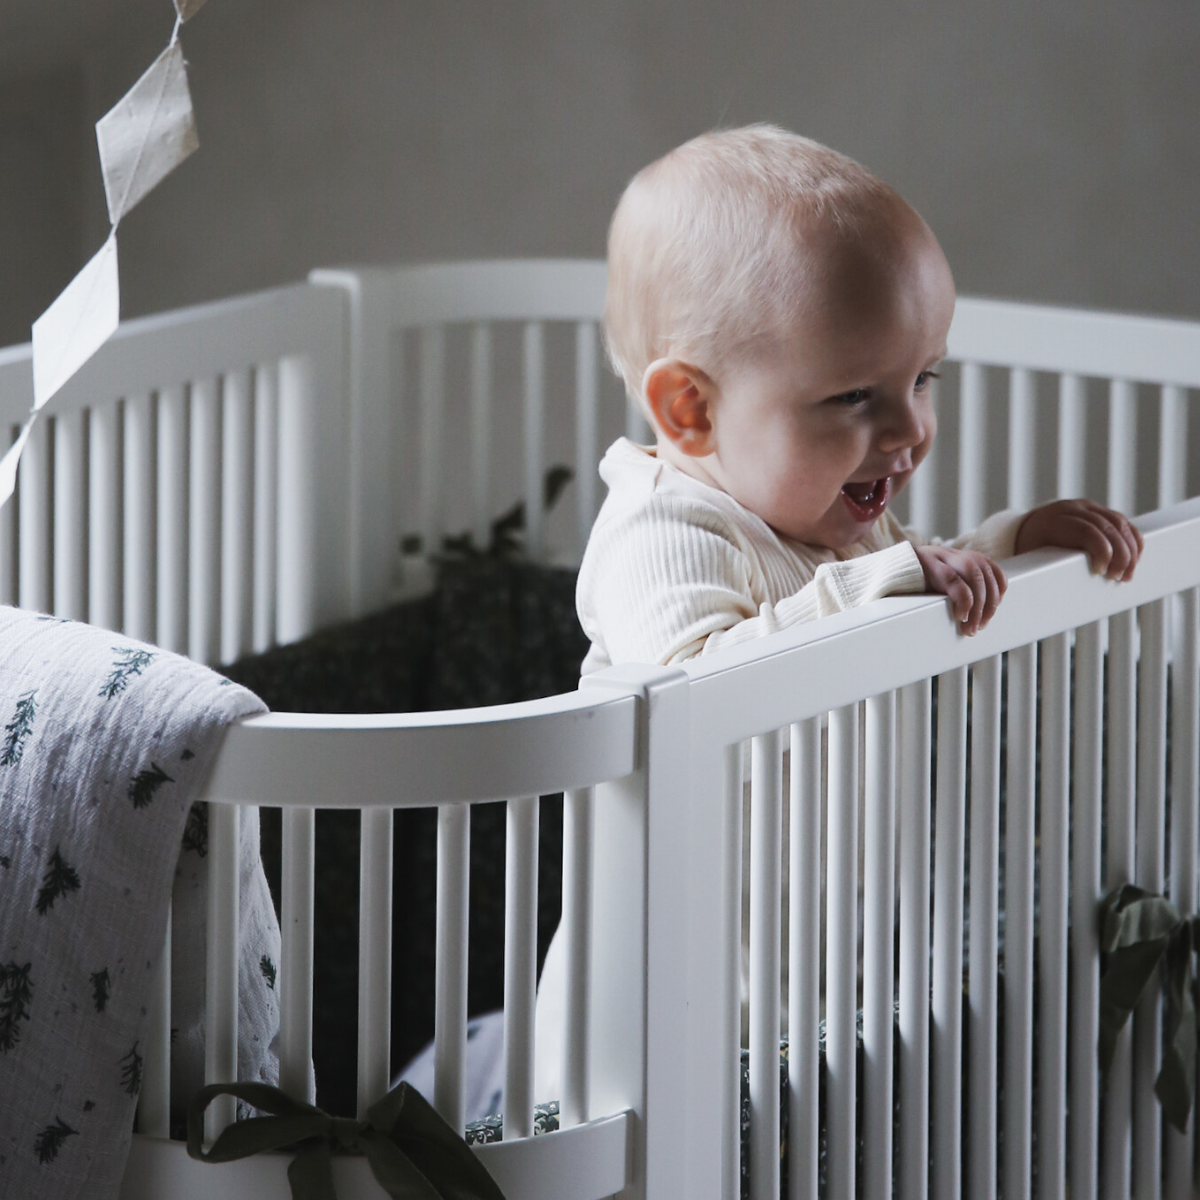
{"points": [[1065, 788], [185, 485]]}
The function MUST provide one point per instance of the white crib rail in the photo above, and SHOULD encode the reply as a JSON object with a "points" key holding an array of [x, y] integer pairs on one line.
{"points": [[187, 486], [898, 646]]}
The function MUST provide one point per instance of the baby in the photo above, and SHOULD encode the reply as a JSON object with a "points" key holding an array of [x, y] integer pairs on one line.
{"points": [[779, 314]]}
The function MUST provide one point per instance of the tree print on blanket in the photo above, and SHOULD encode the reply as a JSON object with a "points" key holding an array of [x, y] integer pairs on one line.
{"points": [[101, 989], [49, 1142], [145, 783], [16, 995], [267, 967], [195, 832], [129, 663], [60, 878], [18, 730], [131, 1071]]}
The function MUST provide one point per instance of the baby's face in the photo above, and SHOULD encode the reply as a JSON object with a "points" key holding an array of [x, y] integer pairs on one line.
{"points": [[818, 436]]}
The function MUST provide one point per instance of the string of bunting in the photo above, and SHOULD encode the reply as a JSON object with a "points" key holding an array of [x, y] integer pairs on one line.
{"points": [[1141, 932], [412, 1152], [141, 141]]}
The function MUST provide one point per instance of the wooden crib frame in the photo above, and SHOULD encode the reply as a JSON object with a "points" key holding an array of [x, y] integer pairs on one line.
{"points": [[241, 490]]}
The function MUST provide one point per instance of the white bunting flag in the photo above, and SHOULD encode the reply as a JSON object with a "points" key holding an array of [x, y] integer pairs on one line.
{"points": [[8, 464], [188, 8], [148, 134], [77, 324]]}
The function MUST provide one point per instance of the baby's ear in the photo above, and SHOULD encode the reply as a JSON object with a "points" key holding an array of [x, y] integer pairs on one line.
{"points": [[678, 395]]}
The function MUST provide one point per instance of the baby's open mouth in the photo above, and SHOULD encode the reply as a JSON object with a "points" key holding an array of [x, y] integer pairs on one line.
{"points": [[867, 499]]}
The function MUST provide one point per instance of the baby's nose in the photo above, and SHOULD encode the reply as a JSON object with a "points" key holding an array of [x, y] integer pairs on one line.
{"points": [[903, 429]]}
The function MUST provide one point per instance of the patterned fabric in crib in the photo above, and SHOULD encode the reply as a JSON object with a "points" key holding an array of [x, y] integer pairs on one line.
{"points": [[103, 743]]}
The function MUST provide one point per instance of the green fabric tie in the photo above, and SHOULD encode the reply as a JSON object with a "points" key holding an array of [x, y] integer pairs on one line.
{"points": [[412, 1152], [1142, 931]]}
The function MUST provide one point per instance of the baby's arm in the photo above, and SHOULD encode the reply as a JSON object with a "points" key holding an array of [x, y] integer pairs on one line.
{"points": [[669, 582]]}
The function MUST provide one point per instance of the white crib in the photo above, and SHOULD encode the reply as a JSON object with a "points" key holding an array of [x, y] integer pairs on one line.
{"points": [[226, 477]]}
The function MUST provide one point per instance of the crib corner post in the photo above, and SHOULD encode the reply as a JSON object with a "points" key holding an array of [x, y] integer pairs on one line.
{"points": [[639, 997]]}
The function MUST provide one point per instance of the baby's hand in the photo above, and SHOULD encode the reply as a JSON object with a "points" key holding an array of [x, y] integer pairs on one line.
{"points": [[1113, 544], [969, 580]]}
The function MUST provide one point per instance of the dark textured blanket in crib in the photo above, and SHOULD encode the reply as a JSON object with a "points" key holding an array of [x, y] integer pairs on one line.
{"points": [[493, 631], [104, 742]]}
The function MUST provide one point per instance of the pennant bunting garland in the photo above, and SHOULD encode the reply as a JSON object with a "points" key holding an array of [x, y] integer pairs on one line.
{"points": [[141, 140], [8, 464], [188, 8], [77, 324], [148, 134]]}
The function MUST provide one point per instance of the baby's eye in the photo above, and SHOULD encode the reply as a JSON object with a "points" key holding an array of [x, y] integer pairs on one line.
{"points": [[922, 381], [850, 399]]}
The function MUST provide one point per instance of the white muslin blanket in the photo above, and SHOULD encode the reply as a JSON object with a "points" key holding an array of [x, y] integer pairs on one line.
{"points": [[104, 743]]}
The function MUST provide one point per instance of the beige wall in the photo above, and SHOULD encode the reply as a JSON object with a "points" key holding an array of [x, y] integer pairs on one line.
{"points": [[1052, 147]]}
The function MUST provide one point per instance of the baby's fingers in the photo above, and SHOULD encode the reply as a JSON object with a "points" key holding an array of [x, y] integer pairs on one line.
{"points": [[1110, 542], [1126, 539]]}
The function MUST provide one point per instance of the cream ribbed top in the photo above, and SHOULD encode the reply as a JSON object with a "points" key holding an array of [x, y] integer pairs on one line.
{"points": [[675, 567]]}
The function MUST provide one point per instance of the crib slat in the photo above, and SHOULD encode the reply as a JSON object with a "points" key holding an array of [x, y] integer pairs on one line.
{"points": [[221, 975], [237, 515], [1018, 923], [923, 485], [33, 487], [104, 516], [1151, 831], [586, 411], [154, 1100], [432, 399], [520, 963], [266, 498], [450, 966], [804, 972], [1072, 446], [732, 940], [1172, 445], [374, 957], [1185, 832], [841, 971], [1086, 807], [915, 748], [139, 538], [879, 926], [1053, 891], [1122, 446], [985, 872], [172, 622], [70, 530], [296, 565], [578, 824], [1022, 439], [299, 838], [8, 534], [1120, 775], [204, 521], [766, 836], [972, 438], [946, 1102], [534, 367], [481, 433]]}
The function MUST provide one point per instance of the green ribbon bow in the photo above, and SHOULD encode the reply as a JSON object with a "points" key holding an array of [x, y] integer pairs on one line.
{"points": [[1140, 932], [412, 1152]]}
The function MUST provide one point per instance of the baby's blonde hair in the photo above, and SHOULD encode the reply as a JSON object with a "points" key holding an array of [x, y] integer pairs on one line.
{"points": [[706, 250]]}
